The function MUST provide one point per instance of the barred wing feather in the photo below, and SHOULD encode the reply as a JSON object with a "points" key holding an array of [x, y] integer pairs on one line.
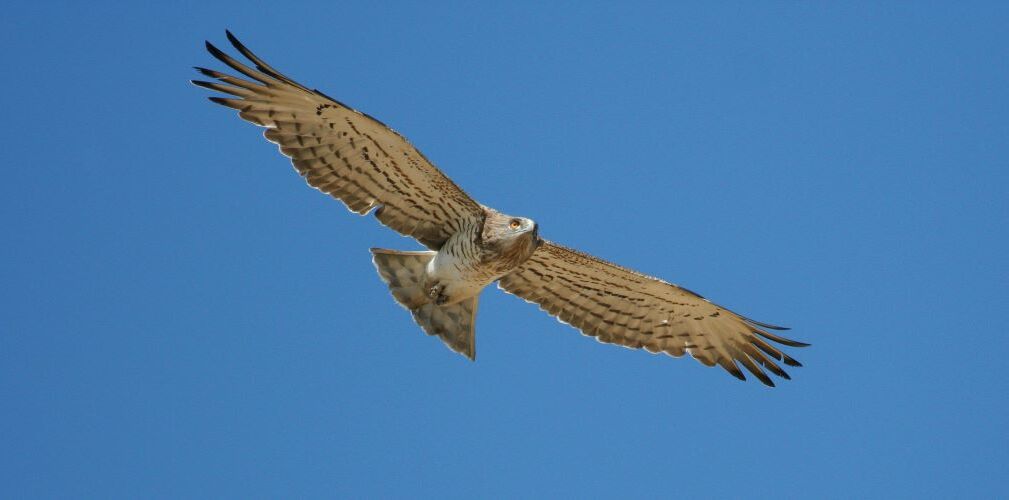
{"points": [[620, 306], [343, 152]]}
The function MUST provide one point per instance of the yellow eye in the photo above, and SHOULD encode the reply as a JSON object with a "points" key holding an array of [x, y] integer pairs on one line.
{"points": [[515, 224]]}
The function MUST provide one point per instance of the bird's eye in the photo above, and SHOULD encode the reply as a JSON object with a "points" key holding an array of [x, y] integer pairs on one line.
{"points": [[515, 224]]}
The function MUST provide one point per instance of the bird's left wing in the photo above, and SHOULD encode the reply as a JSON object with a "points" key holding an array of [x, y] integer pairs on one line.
{"points": [[620, 306], [345, 153]]}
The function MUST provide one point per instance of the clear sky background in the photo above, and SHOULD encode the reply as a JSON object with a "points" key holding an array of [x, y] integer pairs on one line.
{"points": [[181, 316]]}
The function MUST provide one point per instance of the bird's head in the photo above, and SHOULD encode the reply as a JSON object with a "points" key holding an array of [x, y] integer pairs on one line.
{"points": [[514, 239]]}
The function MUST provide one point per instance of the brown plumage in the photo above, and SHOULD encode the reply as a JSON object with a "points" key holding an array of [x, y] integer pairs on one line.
{"points": [[368, 166]]}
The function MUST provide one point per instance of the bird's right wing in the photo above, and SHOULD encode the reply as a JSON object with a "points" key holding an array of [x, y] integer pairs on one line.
{"points": [[620, 306], [345, 153]]}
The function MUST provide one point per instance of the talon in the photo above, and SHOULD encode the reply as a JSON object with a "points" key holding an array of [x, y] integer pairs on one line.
{"points": [[434, 292], [437, 295]]}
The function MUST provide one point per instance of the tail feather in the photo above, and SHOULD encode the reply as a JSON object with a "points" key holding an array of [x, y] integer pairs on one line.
{"points": [[405, 272], [454, 324]]}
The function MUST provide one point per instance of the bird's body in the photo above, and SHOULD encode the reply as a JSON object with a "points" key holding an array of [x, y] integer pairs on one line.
{"points": [[456, 271], [478, 255], [369, 167]]}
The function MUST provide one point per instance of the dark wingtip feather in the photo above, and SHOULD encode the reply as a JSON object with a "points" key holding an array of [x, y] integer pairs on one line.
{"points": [[731, 367], [223, 101], [233, 39], [791, 361], [208, 72], [793, 343], [750, 365], [767, 325], [775, 369], [779, 339], [757, 372], [261, 65], [761, 359], [214, 51], [765, 347]]}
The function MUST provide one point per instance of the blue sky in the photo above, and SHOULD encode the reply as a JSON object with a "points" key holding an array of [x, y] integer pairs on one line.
{"points": [[182, 317]]}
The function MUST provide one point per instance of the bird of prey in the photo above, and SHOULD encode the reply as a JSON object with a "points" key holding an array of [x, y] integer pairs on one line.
{"points": [[368, 166]]}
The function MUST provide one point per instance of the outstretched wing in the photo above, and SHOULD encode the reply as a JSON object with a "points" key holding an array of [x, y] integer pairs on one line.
{"points": [[619, 306], [343, 152]]}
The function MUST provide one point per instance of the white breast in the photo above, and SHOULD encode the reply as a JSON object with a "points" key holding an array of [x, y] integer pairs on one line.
{"points": [[462, 279], [446, 267]]}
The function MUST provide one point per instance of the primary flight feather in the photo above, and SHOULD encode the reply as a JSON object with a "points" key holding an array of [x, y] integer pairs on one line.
{"points": [[367, 165]]}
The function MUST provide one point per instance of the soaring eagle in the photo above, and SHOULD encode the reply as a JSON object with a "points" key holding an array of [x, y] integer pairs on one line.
{"points": [[368, 166]]}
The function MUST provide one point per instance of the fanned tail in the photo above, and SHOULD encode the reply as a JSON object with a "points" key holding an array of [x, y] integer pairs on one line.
{"points": [[405, 274]]}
